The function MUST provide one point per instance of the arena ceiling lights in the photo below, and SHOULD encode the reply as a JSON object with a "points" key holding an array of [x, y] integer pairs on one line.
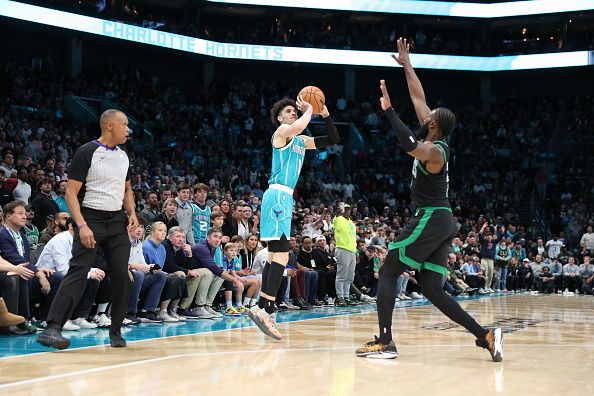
{"points": [[438, 8], [122, 31]]}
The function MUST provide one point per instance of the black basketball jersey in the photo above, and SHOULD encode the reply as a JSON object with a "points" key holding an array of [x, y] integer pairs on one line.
{"points": [[428, 189]]}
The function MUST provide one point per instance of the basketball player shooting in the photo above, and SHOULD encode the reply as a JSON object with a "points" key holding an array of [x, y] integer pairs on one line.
{"points": [[288, 152], [424, 242]]}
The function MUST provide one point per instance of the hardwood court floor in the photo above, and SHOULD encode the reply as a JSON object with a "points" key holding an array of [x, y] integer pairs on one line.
{"points": [[549, 349]]}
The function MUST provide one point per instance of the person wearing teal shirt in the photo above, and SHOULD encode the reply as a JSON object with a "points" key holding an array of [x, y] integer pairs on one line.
{"points": [[288, 152]]}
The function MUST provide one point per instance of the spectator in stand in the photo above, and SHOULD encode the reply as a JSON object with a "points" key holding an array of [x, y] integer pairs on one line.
{"points": [[232, 220], [571, 276], [42, 283], [556, 269], [539, 248], [587, 238], [155, 255], [59, 196], [211, 277], [306, 262], [201, 213], [537, 266], [546, 281], [149, 281], [326, 269], [57, 225], [56, 256], [15, 298], [473, 275], [586, 270], [346, 246], [152, 210], [43, 204], [487, 254], [554, 246], [502, 257], [22, 191], [184, 211], [30, 229], [167, 216], [526, 275]]}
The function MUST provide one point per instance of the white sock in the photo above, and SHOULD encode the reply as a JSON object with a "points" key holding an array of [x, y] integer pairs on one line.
{"points": [[101, 308], [247, 301]]}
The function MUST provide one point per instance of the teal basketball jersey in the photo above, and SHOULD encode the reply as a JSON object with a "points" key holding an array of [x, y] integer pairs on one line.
{"points": [[200, 222], [287, 162]]}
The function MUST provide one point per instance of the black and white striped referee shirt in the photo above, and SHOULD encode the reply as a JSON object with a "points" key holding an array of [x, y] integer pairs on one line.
{"points": [[103, 171]]}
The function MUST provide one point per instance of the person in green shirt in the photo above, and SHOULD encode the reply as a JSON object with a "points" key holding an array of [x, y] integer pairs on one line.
{"points": [[346, 245]]}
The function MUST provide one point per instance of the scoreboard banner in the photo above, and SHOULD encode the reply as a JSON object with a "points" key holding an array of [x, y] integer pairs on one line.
{"points": [[138, 34]]}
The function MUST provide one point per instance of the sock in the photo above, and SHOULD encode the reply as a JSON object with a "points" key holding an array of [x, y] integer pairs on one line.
{"points": [[247, 301], [173, 305], [101, 308], [268, 305], [229, 303]]}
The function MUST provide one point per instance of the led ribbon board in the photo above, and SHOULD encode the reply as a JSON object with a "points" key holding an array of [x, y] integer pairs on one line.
{"points": [[122, 31], [439, 8]]}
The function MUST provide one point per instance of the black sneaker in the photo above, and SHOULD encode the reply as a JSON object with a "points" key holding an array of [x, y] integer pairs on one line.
{"points": [[341, 302], [149, 317], [53, 338], [376, 350], [299, 302], [116, 340], [315, 303], [283, 306], [187, 313], [133, 318]]}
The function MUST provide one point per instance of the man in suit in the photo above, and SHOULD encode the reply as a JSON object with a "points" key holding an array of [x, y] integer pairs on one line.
{"points": [[15, 249]]}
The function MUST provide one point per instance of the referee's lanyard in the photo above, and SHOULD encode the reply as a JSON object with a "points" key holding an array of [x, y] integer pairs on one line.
{"points": [[18, 239]]}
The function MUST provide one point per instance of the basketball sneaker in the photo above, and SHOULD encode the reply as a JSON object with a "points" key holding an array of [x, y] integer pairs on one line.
{"points": [[265, 322], [493, 342], [376, 350], [232, 311]]}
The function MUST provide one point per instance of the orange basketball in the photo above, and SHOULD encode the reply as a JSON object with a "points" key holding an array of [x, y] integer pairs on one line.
{"points": [[314, 96]]}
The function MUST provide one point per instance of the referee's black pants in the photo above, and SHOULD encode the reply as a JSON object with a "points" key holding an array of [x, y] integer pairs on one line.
{"points": [[110, 233]]}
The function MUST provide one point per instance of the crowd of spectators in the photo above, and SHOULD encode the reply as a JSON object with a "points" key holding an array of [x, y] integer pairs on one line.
{"points": [[340, 30], [494, 170]]}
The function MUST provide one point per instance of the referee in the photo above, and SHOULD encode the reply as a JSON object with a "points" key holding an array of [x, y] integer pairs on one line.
{"points": [[98, 186]]}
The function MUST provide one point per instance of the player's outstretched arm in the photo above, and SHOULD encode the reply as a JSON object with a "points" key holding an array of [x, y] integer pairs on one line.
{"points": [[415, 89], [286, 131], [331, 138], [426, 152]]}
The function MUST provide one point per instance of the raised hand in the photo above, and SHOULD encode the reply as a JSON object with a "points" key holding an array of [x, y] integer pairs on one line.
{"points": [[403, 57], [302, 105], [385, 99]]}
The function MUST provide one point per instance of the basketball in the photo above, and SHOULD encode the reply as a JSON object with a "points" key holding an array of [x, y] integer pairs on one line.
{"points": [[314, 96]]}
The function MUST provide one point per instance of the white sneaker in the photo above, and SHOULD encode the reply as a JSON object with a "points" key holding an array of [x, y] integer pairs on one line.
{"points": [[404, 297], [202, 313], [69, 326], [416, 295], [126, 322], [366, 299], [175, 315], [84, 324], [214, 313], [103, 321], [330, 301], [165, 316]]}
